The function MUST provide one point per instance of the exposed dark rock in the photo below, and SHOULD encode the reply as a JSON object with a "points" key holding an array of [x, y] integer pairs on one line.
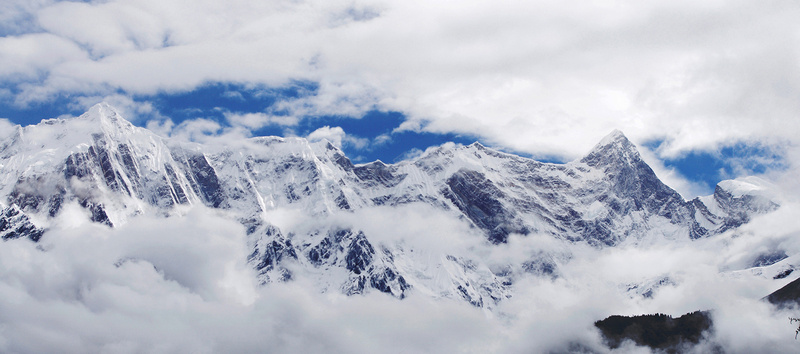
{"points": [[56, 201], [739, 209], [163, 195], [386, 279], [98, 212], [541, 265], [15, 224], [634, 182], [176, 190], [270, 255], [321, 252], [341, 202], [290, 193], [101, 156], [204, 181], [479, 199], [783, 274], [378, 173], [474, 301], [340, 159], [359, 254], [789, 295], [769, 258], [27, 201], [77, 165]]}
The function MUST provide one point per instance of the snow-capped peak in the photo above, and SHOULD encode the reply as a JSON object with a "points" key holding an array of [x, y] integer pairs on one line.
{"points": [[615, 136], [614, 148], [108, 119], [616, 140], [750, 185]]}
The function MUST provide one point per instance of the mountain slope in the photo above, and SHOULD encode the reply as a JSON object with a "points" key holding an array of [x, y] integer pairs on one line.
{"points": [[114, 171]]}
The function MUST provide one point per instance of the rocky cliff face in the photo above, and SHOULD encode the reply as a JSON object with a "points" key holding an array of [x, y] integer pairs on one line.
{"points": [[115, 171]]}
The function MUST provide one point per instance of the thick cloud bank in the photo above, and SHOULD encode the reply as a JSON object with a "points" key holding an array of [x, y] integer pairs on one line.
{"points": [[181, 284], [545, 77]]}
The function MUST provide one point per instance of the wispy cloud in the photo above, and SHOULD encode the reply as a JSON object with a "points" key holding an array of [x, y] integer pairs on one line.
{"points": [[254, 121]]}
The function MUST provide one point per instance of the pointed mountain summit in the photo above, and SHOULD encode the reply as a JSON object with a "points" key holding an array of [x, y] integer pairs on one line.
{"points": [[62, 136], [613, 149], [104, 118], [103, 113], [633, 180]]}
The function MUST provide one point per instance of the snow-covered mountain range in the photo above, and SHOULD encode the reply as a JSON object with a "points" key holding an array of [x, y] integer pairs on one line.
{"points": [[309, 212]]}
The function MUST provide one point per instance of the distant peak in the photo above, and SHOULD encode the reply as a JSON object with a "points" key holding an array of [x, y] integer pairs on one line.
{"points": [[616, 140], [613, 147], [616, 136], [750, 185], [105, 117], [105, 112], [103, 104]]}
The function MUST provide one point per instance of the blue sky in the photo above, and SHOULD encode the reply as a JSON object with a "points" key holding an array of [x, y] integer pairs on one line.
{"points": [[708, 89], [213, 101]]}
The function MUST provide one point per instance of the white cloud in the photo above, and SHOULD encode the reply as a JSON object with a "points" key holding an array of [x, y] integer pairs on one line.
{"points": [[205, 131], [234, 95], [104, 29], [259, 120], [7, 128], [30, 55], [350, 99], [338, 137], [161, 127], [334, 135], [16, 15], [410, 154], [381, 140], [181, 284], [542, 77]]}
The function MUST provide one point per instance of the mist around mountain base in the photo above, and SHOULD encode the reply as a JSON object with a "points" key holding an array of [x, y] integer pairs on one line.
{"points": [[182, 284]]}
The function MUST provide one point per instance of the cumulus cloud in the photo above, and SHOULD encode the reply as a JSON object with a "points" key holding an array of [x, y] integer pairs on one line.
{"points": [[416, 226], [337, 137], [543, 77], [557, 314], [7, 128], [17, 16], [28, 56], [182, 284], [122, 26]]}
